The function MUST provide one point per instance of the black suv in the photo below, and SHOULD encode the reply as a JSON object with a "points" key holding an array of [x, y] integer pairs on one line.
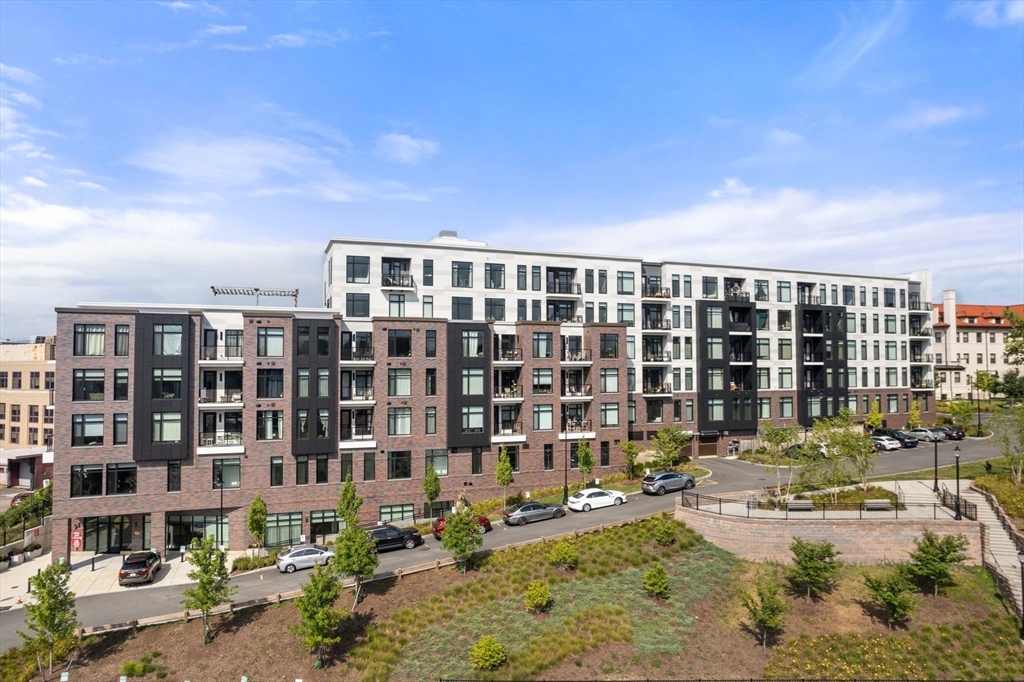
{"points": [[905, 439], [952, 432], [391, 537]]}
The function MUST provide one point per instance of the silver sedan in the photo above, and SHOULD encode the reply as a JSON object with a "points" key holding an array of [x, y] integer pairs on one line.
{"points": [[303, 556], [525, 512]]}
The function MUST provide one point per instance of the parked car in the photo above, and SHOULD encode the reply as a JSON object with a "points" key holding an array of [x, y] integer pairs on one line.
{"points": [[661, 482], [878, 446], [951, 432], [303, 556], [929, 435], [19, 498], [906, 440], [887, 442], [798, 450], [592, 498], [139, 567], [525, 512], [483, 525], [391, 537]]}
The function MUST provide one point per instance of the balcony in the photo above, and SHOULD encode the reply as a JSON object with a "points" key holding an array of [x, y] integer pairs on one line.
{"points": [[577, 391], [582, 355], [648, 291], [656, 324], [400, 281], [220, 443], [921, 332], [921, 358], [808, 299], [576, 425], [741, 357], [813, 329], [739, 327], [356, 433], [657, 356], [509, 355], [922, 384], [230, 354], [232, 396], [508, 392], [738, 296], [814, 357], [356, 354], [565, 317], [508, 428], [657, 389], [357, 395], [814, 384], [741, 386], [565, 289]]}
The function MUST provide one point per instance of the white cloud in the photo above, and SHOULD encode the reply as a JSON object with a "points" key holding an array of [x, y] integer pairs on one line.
{"points": [[219, 30], [13, 73], [732, 187], [405, 149], [25, 98], [722, 122], [856, 37], [784, 138], [35, 182], [202, 7], [300, 39], [90, 185], [779, 147], [926, 116], [990, 13]]}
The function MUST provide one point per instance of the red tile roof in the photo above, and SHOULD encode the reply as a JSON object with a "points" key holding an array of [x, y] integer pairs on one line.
{"points": [[984, 313]]}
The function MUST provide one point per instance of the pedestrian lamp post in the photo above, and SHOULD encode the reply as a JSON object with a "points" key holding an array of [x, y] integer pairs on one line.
{"points": [[219, 481], [935, 481], [956, 454], [1020, 558], [565, 450], [978, 394]]}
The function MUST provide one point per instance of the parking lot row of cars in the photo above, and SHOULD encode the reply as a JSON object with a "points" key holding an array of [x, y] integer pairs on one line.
{"points": [[895, 439]]}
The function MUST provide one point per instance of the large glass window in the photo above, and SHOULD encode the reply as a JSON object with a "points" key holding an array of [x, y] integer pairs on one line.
{"points": [[785, 349], [785, 377], [609, 381], [542, 345], [472, 381], [399, 465], [270, 342], [399, 382], [714, 349], [396, 305], [399, 343], [609, 346], [396, 512], [166, 427], [626, 313], [462, 308], [494, 276], [609, 415], [166, 384], [357, 269], [438, 460], [399, 421], [121, 478], [760, 290], [625, 283], [714, 317], [494, 309], [543, 418], [709, 287], [716, 379], [121, 339], [86, 429], [542, 381], [357, 305], [284, 529], [90, 339], [269, 383], [462, 274], [270, 425], [88, 384], [472, 419], [87, 480], [716, 410], [472, 344], [784, 294], [166, 339]]}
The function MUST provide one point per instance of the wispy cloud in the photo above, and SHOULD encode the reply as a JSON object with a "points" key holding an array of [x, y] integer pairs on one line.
{"points": [[202, 7], [857, 36], [723, 122], [779, 146], [990, 13], [732, 187], [921, 116], [34, 182], [89, 185], [309, 38], [405, 149], [218, 30], [13, 73]]}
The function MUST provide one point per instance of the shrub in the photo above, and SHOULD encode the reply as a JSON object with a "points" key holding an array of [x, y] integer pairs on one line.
{"points": [[893, 592], [487, 654], [537, 597], [656, 581], [664, 533], [564, 555]]}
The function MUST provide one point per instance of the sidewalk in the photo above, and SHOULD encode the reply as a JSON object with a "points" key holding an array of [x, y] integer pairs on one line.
{"points": [[86, 581]]}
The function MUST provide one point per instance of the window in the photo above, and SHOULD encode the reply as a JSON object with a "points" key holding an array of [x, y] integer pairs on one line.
{"points": [[762, 320], [890, 324], [16, 380], [785, 349], [3, 379], [609, 415], [321, 469], [494, 276], [783, 292], [88, 384], [15, 413], [87, 480], [716, 410], [323, 381], [714, 317], [786, 408], [763, 347], [462, 308], [438, 460], [269, 383], [302, 341], [33, 413], [521, 277], [609, 346], [891, 377], [874, 296], [542, 381], [357, 269], [785, 377], [174, 476], [602, 312], [166, 339], [473, 419], [167, 427], [357, 305], [709, 287], [764, 408], [399, 421], [549, 456], [86, 429], [121, 339], [602, 281], [399, 382], [462, 274], [609, 381], [716, 378], [399, 465], [396, 512], [543, 418], [270, 425], [625, 283], [760, 290], [396, 305], [849, 297], [689, 410], [302, 423], [399, 343], [588, 281], [688, 348], [477, 461], [535, 275], [494, 309], [428, 306], [890, 350], [90, 339], [677, 410], [890, 298], [473, 381], [369, 466], [430, 419], [714, 349], [473, 344], [120, 429], [687, 316], [542, 345], [270, 342], [764, 378], [121, 478], [785, 320], [430, 382], [301, 469], [428, 272]]}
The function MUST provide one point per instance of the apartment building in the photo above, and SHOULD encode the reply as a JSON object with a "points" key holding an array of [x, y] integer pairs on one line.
{"points": [[27, 375], [171, 418], [969, 339]]}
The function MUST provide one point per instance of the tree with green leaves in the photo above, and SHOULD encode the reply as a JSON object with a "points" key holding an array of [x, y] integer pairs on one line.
{"points": [[854, 445], [935, 557], [584, 460], [256, 520], [894, 592], [914, 414], [962, 413], [1008, 429], [349, 502], [1014, 348], [461, 536], [630, 451], [668, 444], [776, 440], [320, 620], [431, 485], [766, 607], [1012, 386], [210, 575], [503, 474], [50, 612], [830, 466], [355, 555], [873, 419], [815, 566], [986, 382]]}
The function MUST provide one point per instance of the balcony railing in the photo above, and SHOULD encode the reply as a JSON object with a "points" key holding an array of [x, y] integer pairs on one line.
{"points": [[921, 332], [657, 356], [208, 439], [348, 353], [655, 292], [656, 323], [509, 355], [350, 433], [582, 355], [404, 281], [737, 296], [922, 383], [574, 425], [508, 428], [224, 395], [577, 391], [813, 329], [229, 352], [741, 386], [921, 357], [917, 305], [357, 394], [814, 384], [814, 357], [808, 299], [508, 392], [565, 317], [657, 388], [741, 357], [564, 288], [739, 326]]}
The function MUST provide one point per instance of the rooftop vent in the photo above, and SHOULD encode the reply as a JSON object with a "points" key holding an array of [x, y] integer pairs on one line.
{"points": [[448, 233]]}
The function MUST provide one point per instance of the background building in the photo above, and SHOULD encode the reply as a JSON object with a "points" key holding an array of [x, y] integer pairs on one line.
{"points": [[27, 375]]}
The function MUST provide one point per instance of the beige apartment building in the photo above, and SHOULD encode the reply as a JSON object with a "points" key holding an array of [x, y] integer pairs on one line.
{"points": [[27, 371]]}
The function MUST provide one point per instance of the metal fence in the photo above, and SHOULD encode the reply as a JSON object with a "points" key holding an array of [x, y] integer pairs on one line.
{"points": [[755, 508], [968, 510]]}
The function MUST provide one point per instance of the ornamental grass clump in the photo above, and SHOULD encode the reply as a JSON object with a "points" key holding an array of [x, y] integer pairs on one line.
{"points": [[665, 534], [564, 555], [537, 597], [487, 654], [656, 582]]}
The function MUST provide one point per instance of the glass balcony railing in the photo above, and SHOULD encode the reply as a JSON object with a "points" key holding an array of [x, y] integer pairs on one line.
{"points": [[576, 391], [220, 439], [508, 428], [228, 352], [508, 392]]}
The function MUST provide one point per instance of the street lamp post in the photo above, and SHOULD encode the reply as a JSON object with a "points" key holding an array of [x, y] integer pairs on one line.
{"points": [[956, 453], [565, 450], [977, 392], [220, 484], [935, 482], [1020, 558]]}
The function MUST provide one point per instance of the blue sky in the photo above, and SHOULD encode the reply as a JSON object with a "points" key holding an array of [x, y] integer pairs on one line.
{"points": [[149, 150]]}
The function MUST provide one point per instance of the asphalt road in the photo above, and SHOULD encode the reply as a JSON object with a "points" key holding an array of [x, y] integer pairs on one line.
{"points": [[727, 476]]}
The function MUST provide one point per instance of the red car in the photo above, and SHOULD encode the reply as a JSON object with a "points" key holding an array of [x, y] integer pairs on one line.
{"points": [[19, 498], [482, 521]]}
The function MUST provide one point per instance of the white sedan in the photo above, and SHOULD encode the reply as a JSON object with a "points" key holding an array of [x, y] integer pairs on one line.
{"points": [[887, 442], [592, 498]]}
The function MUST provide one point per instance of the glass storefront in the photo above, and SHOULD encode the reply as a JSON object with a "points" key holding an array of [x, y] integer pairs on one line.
{"points": [[284, 529], [108, 534], [183, 528]]}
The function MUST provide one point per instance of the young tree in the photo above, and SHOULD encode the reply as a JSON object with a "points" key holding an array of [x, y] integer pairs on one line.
{"points": [[320, 620], [815, 565], [584, 460], [765, 606], [210, 575], [873, 420], [893, 592], [503, 474], [50, 613], [461, 536], [829, 466], [914, 414], [852, 444], [355, 554], [776, 440], [1008, 427], [431, 485], [1014, 348], [348, 502], [1012, 386], [935, 557], [962, 413], [985, 382], [668, 443], [630, 451], [256, 520]]}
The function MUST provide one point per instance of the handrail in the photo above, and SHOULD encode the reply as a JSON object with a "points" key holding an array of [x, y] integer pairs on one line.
{"points": [[576, 391], [808, 509], [509, 355], [582, 355], [1004, 520], [508, 391]]}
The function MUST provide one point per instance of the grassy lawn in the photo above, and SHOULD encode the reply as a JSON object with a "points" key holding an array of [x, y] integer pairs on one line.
{"points": [[968, 470]]}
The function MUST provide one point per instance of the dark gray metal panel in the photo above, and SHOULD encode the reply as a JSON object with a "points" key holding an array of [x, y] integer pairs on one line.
{"points": [[143, 447], [749, 342], [838, 335], [314, 403], [456, 401]]}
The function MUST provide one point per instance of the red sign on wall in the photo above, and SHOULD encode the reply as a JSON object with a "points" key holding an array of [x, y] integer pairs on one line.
{"points": [[76, 535]]}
